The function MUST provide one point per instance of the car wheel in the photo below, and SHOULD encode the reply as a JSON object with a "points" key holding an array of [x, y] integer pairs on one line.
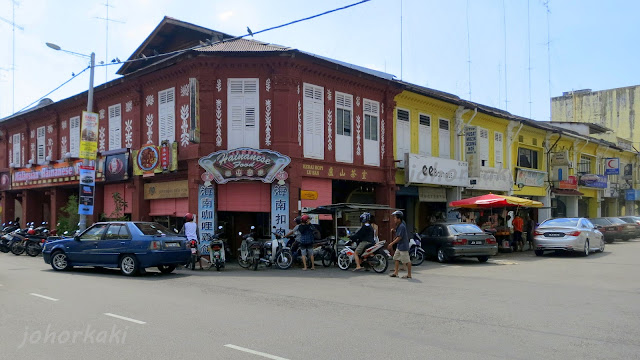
{"points": [[483, 259], [166, 269], [539, 252], [585, 251], [60, 261], [129, 265], [602, 246], [442, 256]]}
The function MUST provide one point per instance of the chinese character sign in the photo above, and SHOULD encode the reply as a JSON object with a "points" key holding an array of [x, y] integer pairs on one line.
{"points": [[280, 207], [206, 217]]}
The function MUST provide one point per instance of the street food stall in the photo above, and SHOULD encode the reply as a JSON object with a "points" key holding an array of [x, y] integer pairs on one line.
{"points": [[497, 221]]}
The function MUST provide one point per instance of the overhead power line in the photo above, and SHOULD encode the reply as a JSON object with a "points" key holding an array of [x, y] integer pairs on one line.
{"points": [[50, 92]]}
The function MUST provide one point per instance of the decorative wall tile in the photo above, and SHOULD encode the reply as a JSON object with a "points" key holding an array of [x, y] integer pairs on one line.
{"points": [[267, 122], [128, 133], [330, 130], [382, 131], [63, 124], [299, 121], [184, 128], [102, 137], [49, 129], [149, 100], [219, 85], [101, 112], [128, 106], [63, 145], [50, 148], [184, 90], [267, 85], [218, 122], [329, 95], [33, 134], [149, 128], [358, 136], [358, 101]]}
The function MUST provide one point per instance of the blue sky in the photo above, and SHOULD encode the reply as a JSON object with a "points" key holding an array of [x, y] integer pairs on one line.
{"points": [[593, 43]]}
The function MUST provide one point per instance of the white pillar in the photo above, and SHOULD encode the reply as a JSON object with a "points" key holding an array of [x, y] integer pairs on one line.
{"points": [[572, 205], [453, 194], [544, 214]]}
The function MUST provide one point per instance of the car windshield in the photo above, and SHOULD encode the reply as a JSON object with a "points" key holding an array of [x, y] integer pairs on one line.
{"points": [[616, 221], [465, 229], [154, 229], [560, 222], [600, 221]]}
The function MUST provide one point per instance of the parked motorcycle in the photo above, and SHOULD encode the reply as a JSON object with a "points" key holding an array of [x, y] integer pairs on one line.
{"points": [[32, 241], [217, 250], [375, 257], [7, 237], [323, 251], [250, 249], [416, 252]]}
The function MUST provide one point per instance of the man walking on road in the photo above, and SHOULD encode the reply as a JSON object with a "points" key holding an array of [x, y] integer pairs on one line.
{"points": [[402, 239]]}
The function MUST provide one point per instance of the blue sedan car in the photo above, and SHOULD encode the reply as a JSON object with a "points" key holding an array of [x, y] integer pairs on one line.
{"points": [[131, 246]]}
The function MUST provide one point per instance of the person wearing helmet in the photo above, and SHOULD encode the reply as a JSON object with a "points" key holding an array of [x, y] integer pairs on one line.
{"points": [[306, 241], [365, 236], [190, 230], [401, 238]]}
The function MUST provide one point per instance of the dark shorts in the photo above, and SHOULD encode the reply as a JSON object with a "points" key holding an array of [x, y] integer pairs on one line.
{"points": [[517, 236], [306, 249]]}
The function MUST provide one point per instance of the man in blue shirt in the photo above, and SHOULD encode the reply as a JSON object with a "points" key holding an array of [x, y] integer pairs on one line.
{"points": [[402, 239]]}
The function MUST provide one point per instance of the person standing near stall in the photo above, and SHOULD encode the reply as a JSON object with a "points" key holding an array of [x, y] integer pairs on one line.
{"points": [[518, 225]]}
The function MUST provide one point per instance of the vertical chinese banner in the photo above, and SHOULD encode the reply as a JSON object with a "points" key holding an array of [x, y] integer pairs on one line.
{"points": [[280, 207], [206, 217]]}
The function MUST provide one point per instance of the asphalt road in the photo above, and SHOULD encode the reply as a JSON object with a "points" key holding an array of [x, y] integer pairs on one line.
{"points": [[517, 306]]}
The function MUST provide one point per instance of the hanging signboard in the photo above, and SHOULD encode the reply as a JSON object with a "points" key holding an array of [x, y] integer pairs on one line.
{"points": [[430, 194], [570, 183], [206, 217], [594, 181], [5, 181], [166, 190], [612, 166], [87, 176], [280, 208], [244, 164], [560, 158], [530, 177], [117, 167], [420, 169], [89, 136]]}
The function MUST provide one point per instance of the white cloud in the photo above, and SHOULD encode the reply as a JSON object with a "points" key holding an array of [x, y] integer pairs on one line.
{"points": [[225, 15]]}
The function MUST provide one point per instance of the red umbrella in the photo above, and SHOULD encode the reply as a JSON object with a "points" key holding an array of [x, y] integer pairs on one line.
{"points": [[493, 201]]}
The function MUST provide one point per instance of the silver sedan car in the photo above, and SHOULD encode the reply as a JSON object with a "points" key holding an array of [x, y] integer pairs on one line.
{"points": [[569, 234]]}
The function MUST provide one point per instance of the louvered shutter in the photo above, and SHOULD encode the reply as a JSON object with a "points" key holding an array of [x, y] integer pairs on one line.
{"points": [[243, 113], [167, 115], [344, 127], [403, 135], [424, 134], [371, 144], [251, 126], [308, 121], [444, 139], [16, 150], [236, 114], [74, 136], [498, 149], [115, 127], [313, 121], [40, 143], [483, 146]]}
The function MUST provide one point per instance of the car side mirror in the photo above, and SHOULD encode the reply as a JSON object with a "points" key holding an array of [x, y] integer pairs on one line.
{"points": [[76, 238]]}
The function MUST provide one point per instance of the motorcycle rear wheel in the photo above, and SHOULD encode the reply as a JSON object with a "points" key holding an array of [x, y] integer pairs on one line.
{"points": [[382, 263], [4, 248], [33, 249], [417, 257], [344, 261], [327, 258]]}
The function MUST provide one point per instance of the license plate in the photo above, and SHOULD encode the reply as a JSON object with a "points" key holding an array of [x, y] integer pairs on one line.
{"points": [[554, 234], [476, 242], [172, 244]]}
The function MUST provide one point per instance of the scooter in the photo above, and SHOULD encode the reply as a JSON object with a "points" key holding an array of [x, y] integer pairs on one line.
{"points": [[193, 245], [416, 252], [375, 257], [217, 250], [250, 249]]}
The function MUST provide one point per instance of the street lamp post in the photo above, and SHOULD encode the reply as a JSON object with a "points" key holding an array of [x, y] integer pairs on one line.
{"points": [[83, 218]]}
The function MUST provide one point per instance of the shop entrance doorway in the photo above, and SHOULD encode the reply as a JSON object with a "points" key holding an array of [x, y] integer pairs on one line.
{"points": [[234, 222]]}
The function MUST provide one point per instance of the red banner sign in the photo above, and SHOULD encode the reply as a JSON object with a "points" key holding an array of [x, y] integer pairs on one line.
{"points": [[570, 183]]}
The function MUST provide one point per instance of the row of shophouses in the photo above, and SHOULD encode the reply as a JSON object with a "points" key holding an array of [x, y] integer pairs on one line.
{"points": [[244, 133]]}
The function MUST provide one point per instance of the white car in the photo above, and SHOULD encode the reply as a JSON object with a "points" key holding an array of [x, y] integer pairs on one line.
{"points": [[568, 234]]}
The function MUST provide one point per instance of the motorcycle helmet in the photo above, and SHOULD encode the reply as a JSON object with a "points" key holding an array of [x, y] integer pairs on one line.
{"points": [[365, 217], [398, 214], [298, 219], [304, 218], [188, 217], [31, 231]]}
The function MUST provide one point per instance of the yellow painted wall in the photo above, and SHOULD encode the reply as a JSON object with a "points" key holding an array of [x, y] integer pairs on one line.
{"points": [[616, 109], [493, 124], [533, 139]]}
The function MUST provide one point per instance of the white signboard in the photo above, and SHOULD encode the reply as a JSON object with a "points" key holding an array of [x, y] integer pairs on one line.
{"points": [[492, 179], [430, 194], [420, 169]]}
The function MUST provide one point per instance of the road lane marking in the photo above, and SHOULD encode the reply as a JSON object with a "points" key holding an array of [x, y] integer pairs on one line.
{"points": [[125, 318], [268, 356], [44, 297]]}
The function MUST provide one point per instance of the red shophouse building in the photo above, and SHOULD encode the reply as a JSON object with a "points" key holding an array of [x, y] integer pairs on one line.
{"points": [[333, 120]]}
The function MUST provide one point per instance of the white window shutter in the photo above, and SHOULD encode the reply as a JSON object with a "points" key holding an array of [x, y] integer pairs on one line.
{"points": [[371, 141], [41, 140], [444, 139], [307, 124], [74, 136], [16, 150], [498, 149], [115, 127], [170, 115], [313, 121], [344, 142], [243, 113], [424, 133], [483, 146]]}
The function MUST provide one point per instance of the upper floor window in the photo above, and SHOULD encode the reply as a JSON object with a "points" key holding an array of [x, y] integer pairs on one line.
{"points": [[115, 127], [584, 167], [166, 115], [41, 135], [344, 124], [403, 135], [313, 121], [371, 132], [17, 155], [424, 135], [528, 158], [444, 139], [244, 120], [74, 136]]}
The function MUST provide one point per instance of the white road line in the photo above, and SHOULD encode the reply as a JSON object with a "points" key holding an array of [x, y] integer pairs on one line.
{"points": [[125, 318], [44, 297], [268, 356]]}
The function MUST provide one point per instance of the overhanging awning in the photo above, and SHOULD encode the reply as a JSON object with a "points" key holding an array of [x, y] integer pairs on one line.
{"points": [[566, 192], [333, 208]]}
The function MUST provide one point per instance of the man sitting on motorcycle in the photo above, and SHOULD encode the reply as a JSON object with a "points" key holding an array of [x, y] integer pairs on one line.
{"points": [[365, 237]]}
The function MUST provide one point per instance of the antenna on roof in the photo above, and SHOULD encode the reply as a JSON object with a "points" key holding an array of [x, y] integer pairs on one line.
{"points": [[469, 50], [106, 42], [504, 29]]}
